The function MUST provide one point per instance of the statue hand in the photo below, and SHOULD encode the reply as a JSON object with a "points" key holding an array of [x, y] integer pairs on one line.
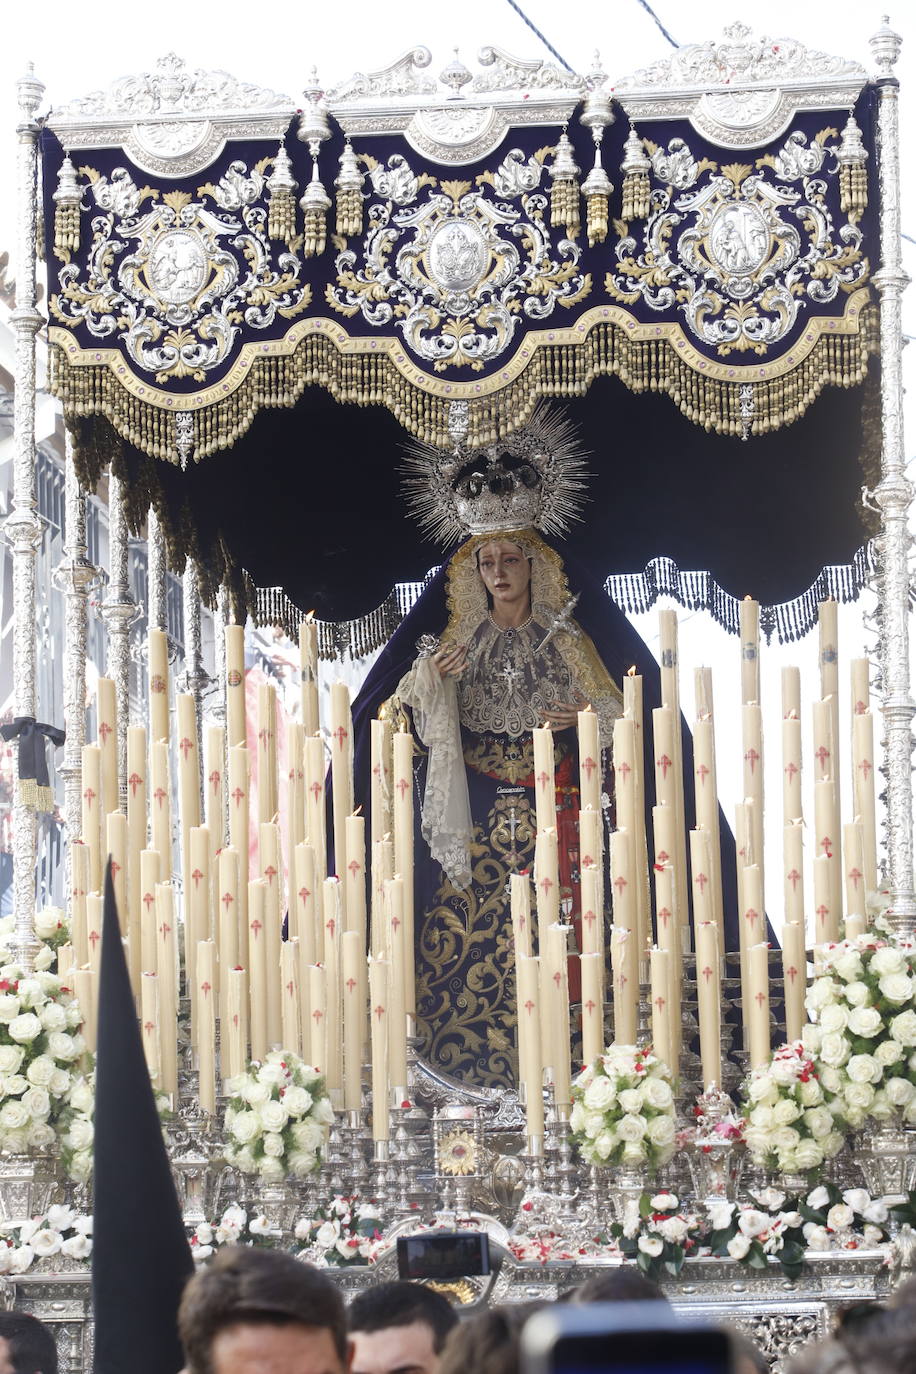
{"points": [[560, 715], [451, 661]]}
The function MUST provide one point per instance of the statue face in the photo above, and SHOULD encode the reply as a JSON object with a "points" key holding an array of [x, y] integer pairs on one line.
{"points": [[505, 572]]}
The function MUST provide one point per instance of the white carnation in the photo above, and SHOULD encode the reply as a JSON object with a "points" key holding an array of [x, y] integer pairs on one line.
{"points": [[840, 1216], [651, 1245]]}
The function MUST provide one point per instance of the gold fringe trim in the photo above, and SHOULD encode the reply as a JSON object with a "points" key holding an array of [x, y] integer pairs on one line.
{"points": [[559, 369], [596, 218]]}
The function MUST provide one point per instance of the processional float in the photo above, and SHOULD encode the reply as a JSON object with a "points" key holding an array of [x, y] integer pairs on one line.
{"points": [[718, 227]]}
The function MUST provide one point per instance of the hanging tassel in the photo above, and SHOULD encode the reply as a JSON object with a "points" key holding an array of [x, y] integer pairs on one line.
{"points": [[315, 204], [281, 203], [66, 211], [349, 185], [597, 189], [852, 157], [564, 192], [635, 168]]}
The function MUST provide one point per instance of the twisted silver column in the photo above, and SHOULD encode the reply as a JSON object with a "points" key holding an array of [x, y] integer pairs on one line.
{"points": [[23, 528], [119, 611], [155, 573], [75, 577], [893, 496]]}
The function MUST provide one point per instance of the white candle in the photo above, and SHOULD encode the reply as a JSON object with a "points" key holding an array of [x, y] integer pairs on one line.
{"points": [[136, 824], [318, 1003], [759, 985], [592, 971], [403, 855], [107, 716], [290, 1036], [91, 815], [706, 794], [709, 1001], [793, 871], [158, 660], [308, 664], [794, 969], [341, 743], [520, 913], [380, 746], [79, 891], [863, 752], [150, 876], [167, 975], [530, 1022], [271, 870], [860, 693], [86, 990], [230, 952], [257, 970], [215, 799], [206, 1014], [238, 830], [545, 796], [633, 710], [188, 776], [333, 992], [826, 920], [557, 1053], [791, 770], [592, 914], [397, 996], [378, 1020], [668, 939], [827, 847], [160, 805], [589, 759], [304, 902], [235, 1030], [353, 958], [149, 1026], [268, 784], [295, 794], [752, 756], [315, 825], [854, 863], [749, 629], [546, 879], [626, 985], [659, 997], [235, 685]]}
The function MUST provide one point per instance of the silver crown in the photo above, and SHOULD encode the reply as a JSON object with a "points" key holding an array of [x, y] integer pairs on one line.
{"points": [[532, 479]]}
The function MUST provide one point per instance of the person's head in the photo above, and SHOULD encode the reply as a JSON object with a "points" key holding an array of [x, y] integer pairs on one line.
{"points": [[26, 1345], [399, 1328], [621, 1284], [505, 572], [488, 1342], [253, 1310]]}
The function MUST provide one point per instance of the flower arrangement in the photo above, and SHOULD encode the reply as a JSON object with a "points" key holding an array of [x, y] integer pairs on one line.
{"points": [[346, 1231], [233, 1228], [863, 1031], [659, 1236], [52, 930], [790, 1126], [277, 1118], [42, 1055], [832, 1219], [60, 1232], [623, 1109]]}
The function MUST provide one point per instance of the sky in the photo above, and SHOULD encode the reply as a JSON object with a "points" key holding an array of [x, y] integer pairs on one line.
{"points": [[77, 49]]}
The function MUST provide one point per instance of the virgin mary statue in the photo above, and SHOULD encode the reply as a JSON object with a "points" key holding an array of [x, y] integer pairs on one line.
{"points": [[504, 639]]}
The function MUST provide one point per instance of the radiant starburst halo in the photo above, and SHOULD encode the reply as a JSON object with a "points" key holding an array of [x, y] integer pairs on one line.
{"points": [[534, 478]]}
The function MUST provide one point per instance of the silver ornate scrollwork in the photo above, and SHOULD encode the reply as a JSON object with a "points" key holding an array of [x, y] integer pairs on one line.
{"points": [[894, 495], [23, 528], [75, 577], [119, 611]]}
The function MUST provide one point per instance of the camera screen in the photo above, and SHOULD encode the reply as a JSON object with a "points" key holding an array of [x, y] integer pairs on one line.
{"points": [[448, 1255], [647, 1352]]}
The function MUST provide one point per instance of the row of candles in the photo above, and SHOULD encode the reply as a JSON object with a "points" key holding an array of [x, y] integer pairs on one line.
{"points": [[315, 992]]}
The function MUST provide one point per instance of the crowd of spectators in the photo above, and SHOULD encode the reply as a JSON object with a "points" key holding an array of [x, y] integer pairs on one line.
{"points": [[261, 1311]]}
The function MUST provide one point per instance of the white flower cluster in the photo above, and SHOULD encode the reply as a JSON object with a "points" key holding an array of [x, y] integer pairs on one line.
{"points": [[662, 1226], [623, 1108], [747, 1225], [233, 1228], [346, 1232], [790, 1126], [864, 1030], [41, 1059], [278, 1118], [61, 1232], [52, 930], [856, 1214]]}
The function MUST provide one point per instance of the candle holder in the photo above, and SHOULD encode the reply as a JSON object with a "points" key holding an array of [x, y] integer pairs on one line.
{"points": [[716, 1152], [400, 1162], [332, 1169], [192, 1147], [567, 1190], [536, 1211], [381, 1174], [358, 1169], [457, 1155]]}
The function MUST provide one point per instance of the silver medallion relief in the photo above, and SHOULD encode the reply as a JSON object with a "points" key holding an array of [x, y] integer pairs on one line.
{"points": [[739, 239], [177, 267], [457, 255]]}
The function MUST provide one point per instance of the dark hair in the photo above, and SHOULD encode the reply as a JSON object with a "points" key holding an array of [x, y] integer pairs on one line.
{"points": [[31, 1345], [488, 1342], [244, 1285], [622, 1284], [402, 1304]]}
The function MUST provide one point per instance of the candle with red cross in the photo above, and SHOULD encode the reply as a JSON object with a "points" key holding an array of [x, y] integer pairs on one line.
{"points": [[633, 710], [238, 830], [529, 1037], [791, 770], [556, 1047], [829, 665], [79, 891], [333, 930], [305, 919], [863, 769], [860, 693], [660, 1008], [545, 796], [267, 777], [355, 874], [827, 848], [749, 632], [150, 876], [167, 974], [403, 807], [91, 813], [94, 929], [592, 912], [290, 1036], [546, 879], [270, 865], [794, 977], [160, 804], [341, 746], [752, 760], [668, 939], [136, 823], [397, 999], [382, 870], [705, 786], [107, 730], [793, 873], [295, 790], [116, 854], [85, 988], [215, 792], [592, 972], [352, 963], [188, 776], [671, 699], [158, 665], [196, 910], [257, 970], [318, 1039], [149, 1026], [235, 685], [854, 864], [701, 880], [308, 667], [589, 759], [709, 1000], [625, 971], [378, 1034], [380, 731], [234, 1030], [205, 961], [626, 796], [759, 988], [315, 826], [229, 951], [826, 919], [520, 912]]}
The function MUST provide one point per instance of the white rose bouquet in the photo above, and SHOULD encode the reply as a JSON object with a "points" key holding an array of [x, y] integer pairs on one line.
{"points": [[623, 1109], [42, 1057], [52, 929], [863, 1031], [277, 1119], [61, 1232], [346, 1231], [234, 1227], [660, 1236], [790, 1126]]}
